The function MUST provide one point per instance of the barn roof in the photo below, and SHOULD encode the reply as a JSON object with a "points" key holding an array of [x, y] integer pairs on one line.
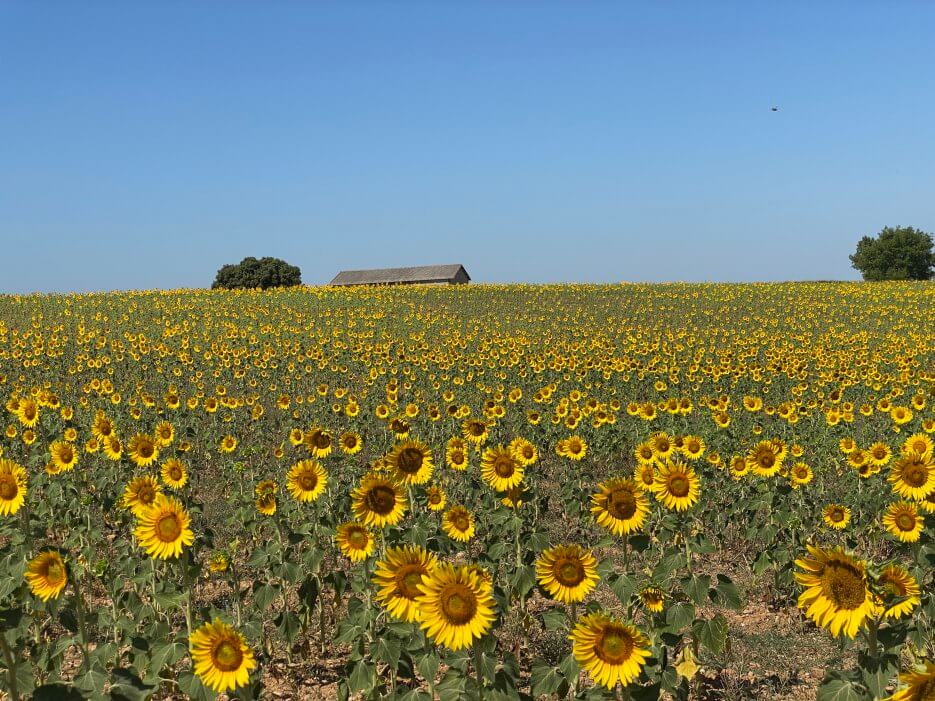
{"points": [[388, 276]]}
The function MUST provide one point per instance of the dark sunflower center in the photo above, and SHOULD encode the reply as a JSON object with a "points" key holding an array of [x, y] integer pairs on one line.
{"points": [[476, 429], [227, 656], [381, 500], [693, 447], [146, 450], [767, 460], [569, 572], [8, 487], [894, 587], [905, 522], [915, 475], [621, 504], [504, 467], [527, 452], [613, 646], [836, 515], [844, 585], [175, 473], [679, 486], [408, 579], [146, 495], [66, 455], [322, 440], [409, 460], [457, 458], [168, 528], [574, 447], [460, 522], [434, 498], [55, 573], [357, 539], [458, 604]]}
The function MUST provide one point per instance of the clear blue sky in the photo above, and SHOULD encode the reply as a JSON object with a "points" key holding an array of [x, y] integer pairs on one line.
{"points": [[143, 145]]}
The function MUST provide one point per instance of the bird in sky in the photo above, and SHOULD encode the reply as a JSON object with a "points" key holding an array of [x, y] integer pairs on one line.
{"points": [[774, 109]]}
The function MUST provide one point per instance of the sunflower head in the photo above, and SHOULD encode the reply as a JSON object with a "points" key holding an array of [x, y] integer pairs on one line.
{"points": [[411, 462], [836, 594], [458, 523], [379, 501], [608, 649], [221, 657], [567, 572], [47, 574], [677, 486], [500, 468], [306, 480], [398, 577], [456, 605], [163, 529], [13, 486], [620, 506], [354, 540]]}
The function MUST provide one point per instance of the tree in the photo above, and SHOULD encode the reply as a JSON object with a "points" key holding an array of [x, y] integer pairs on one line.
{"points": [[251, 273], [897, 253]]}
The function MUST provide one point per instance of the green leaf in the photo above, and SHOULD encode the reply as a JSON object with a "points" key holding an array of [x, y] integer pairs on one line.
{"points": [[362, 677], [524, 580], [387, 651], [428, 665], [127, 686], [877, 673], [712, 634], [696, 587], [554, 618], [680, 615], [666, 566], [728, 593], [546, 680], [57, 692], [838, 687], [624, 587]]}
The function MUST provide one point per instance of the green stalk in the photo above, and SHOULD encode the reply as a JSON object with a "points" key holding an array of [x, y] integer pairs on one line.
{"points": [[477, 672], [10, 666]]}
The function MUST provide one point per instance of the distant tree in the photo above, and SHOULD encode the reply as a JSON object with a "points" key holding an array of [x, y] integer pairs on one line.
{"points": [[897, 253], [252, 272]]}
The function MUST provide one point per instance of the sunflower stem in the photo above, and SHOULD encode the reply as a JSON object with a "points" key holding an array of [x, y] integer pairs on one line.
{"points": [[478, 673], [82, 623], [10, 659]]}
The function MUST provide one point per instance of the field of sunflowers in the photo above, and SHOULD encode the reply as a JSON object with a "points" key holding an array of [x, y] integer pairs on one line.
{"points": [[468, 492]]}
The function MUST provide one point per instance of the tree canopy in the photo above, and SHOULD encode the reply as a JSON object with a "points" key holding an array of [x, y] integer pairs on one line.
{"points": [[251, 273], [897, 253]]}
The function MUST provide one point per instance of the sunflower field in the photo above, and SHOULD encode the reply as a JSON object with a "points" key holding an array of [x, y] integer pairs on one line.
{"points": [[469, 492]]}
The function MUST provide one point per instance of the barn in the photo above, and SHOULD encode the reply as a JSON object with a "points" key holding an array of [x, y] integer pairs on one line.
{"points": [[418, 275]]}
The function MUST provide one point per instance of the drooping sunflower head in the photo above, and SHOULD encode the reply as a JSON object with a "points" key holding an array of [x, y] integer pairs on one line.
{"points": [[163, 529], [836, 516], [13, 487], [677, 486], [379, 501], [836, 593], [221, 657], [456, 605], [620, 506], [458, 523], [47, 575], [500, 468], [411, 462], [653, 598], [903, 521], [174, 473], [515, 497], [567, 572], [608, 649], [397, 578], [306, 480], [140, 493], [143, 449], [354, 540]]}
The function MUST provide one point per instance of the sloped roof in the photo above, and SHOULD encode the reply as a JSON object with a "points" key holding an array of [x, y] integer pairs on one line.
{"points": [[385, 276]]}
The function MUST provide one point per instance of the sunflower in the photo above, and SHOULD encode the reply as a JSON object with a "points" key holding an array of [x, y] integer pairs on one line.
{"points": [[500, 468], [13, 487], [47, 575], [140, 494], [609, 649], [411, 462], [920, 685], [28, 412], [879, 454], [800, 474], [524, 451], [918, 443], [662, 445], [266, 497], [435, 498], [221, 657], [912, 476], [456, 605], [456, 458], [306, 480], [163, 528], [397, 578], [693, 447], [836, 595], [764, 459], [113, 448], [567, 572], [677, 486], [378, 501], [318, 442], [902, 592], [514, 497], [645, 476], [354, 540], [350, 443], [219, 562], [573, 448], [653, 598], [620, 506], [836, 516], [458, 523], [174, 473], [474, 431], [228, 444], [165, 434], [143, 450], [903, 521]]}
